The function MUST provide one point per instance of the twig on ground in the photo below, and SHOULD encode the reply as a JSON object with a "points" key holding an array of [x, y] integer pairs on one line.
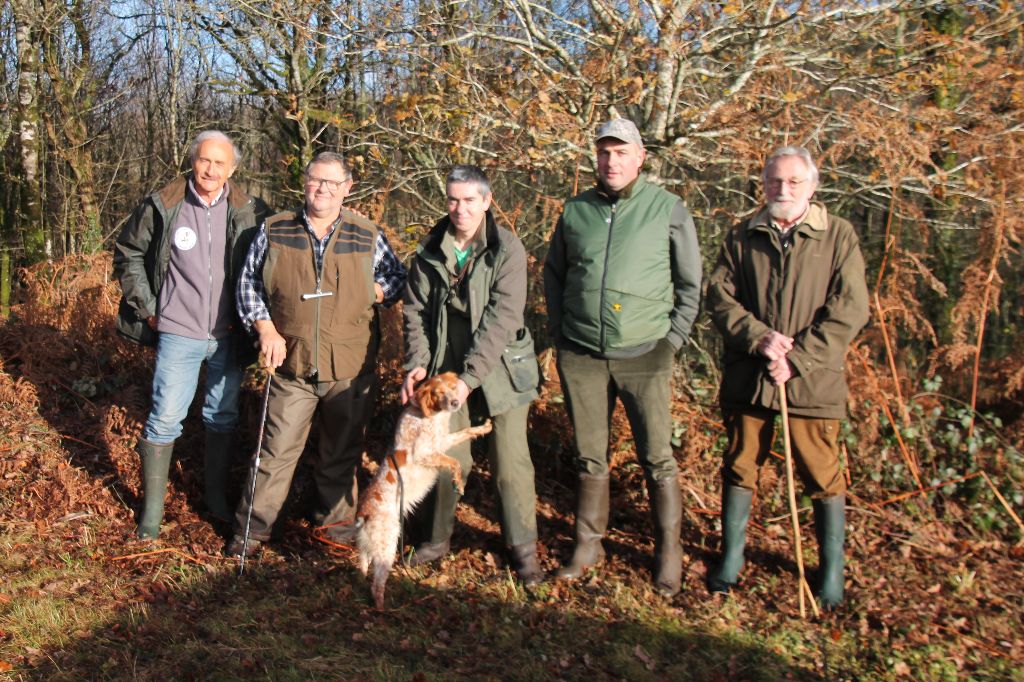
{"points": [[1006, 505], [920, 491], [166, 550]]}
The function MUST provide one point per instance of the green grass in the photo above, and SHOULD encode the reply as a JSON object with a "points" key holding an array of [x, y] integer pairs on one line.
{"points": [[70, 612]]}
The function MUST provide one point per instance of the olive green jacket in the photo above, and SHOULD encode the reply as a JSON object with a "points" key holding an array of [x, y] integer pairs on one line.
{"points": [[501, 359], [813, 291]]}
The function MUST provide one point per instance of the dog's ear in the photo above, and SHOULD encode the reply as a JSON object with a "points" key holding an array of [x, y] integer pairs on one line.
{"points": [[425, 398]]}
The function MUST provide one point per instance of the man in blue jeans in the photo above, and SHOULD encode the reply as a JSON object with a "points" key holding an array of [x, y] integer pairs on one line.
{"points": [[177, 260]]}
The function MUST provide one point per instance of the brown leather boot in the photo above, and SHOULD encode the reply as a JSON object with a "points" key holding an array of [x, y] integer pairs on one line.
{"points": [[667, 510], [591, 523]]}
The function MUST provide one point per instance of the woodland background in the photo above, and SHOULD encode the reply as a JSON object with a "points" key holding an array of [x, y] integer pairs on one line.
{"points": [[914, 111]]}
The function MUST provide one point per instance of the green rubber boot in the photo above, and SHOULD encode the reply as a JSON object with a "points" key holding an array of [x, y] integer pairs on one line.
{"points": [[830, 528], [735, 515], [667, 510], [591, 523], [220, 450], [156, 463]]}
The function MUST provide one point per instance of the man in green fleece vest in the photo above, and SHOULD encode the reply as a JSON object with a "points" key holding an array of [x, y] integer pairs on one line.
{"points": [[622, 281]]}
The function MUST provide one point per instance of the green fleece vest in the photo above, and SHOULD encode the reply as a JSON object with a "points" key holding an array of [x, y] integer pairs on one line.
{"points": [[618, 286], [330, 337]]}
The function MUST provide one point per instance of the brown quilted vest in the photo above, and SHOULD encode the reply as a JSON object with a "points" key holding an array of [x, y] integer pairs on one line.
{"points": [[329, 338]]}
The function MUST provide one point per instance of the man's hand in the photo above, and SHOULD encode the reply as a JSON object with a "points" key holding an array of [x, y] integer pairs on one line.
{"points": [[781, 370], [272, 345], [415, 375], [774, 345], [463, 391], [379, 292], [152, 322]]}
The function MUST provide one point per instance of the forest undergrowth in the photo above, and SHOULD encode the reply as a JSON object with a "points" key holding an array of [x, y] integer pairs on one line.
{"points": [[934, 586]]}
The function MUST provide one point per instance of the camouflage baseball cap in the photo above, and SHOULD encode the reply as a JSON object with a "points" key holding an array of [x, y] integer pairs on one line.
{"points": [[621, 129]]}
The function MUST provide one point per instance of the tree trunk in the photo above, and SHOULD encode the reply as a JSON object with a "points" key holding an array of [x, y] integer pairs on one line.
{"points": [[30, 219]]}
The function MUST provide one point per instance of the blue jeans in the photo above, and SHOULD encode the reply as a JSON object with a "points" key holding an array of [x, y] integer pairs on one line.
{"points": [[178, 359]]}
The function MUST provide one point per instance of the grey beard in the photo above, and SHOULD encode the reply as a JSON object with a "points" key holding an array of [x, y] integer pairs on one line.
{"points": [[783, 212]]}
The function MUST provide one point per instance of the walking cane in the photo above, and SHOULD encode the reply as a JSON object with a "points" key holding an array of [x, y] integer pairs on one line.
{"points": [[256, 468], [802, 586]]}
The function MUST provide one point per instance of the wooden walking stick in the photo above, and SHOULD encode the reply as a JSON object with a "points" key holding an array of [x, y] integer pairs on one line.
{"points": [[802, 586]]}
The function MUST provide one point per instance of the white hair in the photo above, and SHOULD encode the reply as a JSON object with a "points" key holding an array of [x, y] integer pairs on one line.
{"points": [[791, 150], [212, 135]]}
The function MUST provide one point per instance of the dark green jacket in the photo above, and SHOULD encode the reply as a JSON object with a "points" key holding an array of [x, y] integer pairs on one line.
{"points": [[623, 272], [814, 291], [501, 360], [143, 250]]}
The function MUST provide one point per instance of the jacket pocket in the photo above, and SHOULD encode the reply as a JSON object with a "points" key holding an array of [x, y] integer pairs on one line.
{"points": [[132, 327], [520, 361], [822, 389]]}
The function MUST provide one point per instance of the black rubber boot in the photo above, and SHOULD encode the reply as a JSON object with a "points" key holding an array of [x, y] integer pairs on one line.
{"points": [[525, 564], [735, 515], [156, 463], [591, 523], [830, 528], [220, 450], [667, 510]]}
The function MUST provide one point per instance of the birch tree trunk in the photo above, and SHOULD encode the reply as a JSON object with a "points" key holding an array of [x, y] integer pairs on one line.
{"points": [[29, 219]]}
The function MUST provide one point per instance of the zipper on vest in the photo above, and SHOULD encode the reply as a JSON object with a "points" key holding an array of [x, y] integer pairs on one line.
{"points": [[604, 272], [209, 274], [319, 269]]}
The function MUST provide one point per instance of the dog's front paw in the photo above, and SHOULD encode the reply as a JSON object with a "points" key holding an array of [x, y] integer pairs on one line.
{"points": [[483, 429]]}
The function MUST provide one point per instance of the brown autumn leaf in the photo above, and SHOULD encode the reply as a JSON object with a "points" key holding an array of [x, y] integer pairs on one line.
{"points": [[5, 666]]}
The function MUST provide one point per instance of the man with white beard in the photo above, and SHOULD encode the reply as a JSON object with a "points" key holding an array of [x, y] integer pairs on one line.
{"points": [[788, 295]]}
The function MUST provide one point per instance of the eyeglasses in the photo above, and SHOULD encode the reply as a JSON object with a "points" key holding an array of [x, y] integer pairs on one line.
{"points": [[331, 185], [777, 183]]}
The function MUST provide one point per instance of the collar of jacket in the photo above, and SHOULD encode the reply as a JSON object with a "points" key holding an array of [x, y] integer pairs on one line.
{"points": [[431, 244], [816, 220], [625, 193], [174, 193]]}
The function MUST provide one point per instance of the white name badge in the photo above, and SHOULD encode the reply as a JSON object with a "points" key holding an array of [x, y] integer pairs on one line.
{"points": [[185, 238]]}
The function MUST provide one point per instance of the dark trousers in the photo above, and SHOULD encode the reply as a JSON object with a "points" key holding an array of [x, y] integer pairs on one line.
{"points": [[344, 409], [592, 386], [512, 472]]}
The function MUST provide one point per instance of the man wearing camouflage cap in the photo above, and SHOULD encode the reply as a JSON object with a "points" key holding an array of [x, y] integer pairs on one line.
{"points": [[622, 281]]}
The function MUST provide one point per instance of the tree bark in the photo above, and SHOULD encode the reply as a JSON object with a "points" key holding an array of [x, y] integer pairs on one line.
{"points": [[29, 220]]}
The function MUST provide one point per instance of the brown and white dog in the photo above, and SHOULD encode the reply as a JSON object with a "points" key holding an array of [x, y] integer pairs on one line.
{"points": [[421, 439]]}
